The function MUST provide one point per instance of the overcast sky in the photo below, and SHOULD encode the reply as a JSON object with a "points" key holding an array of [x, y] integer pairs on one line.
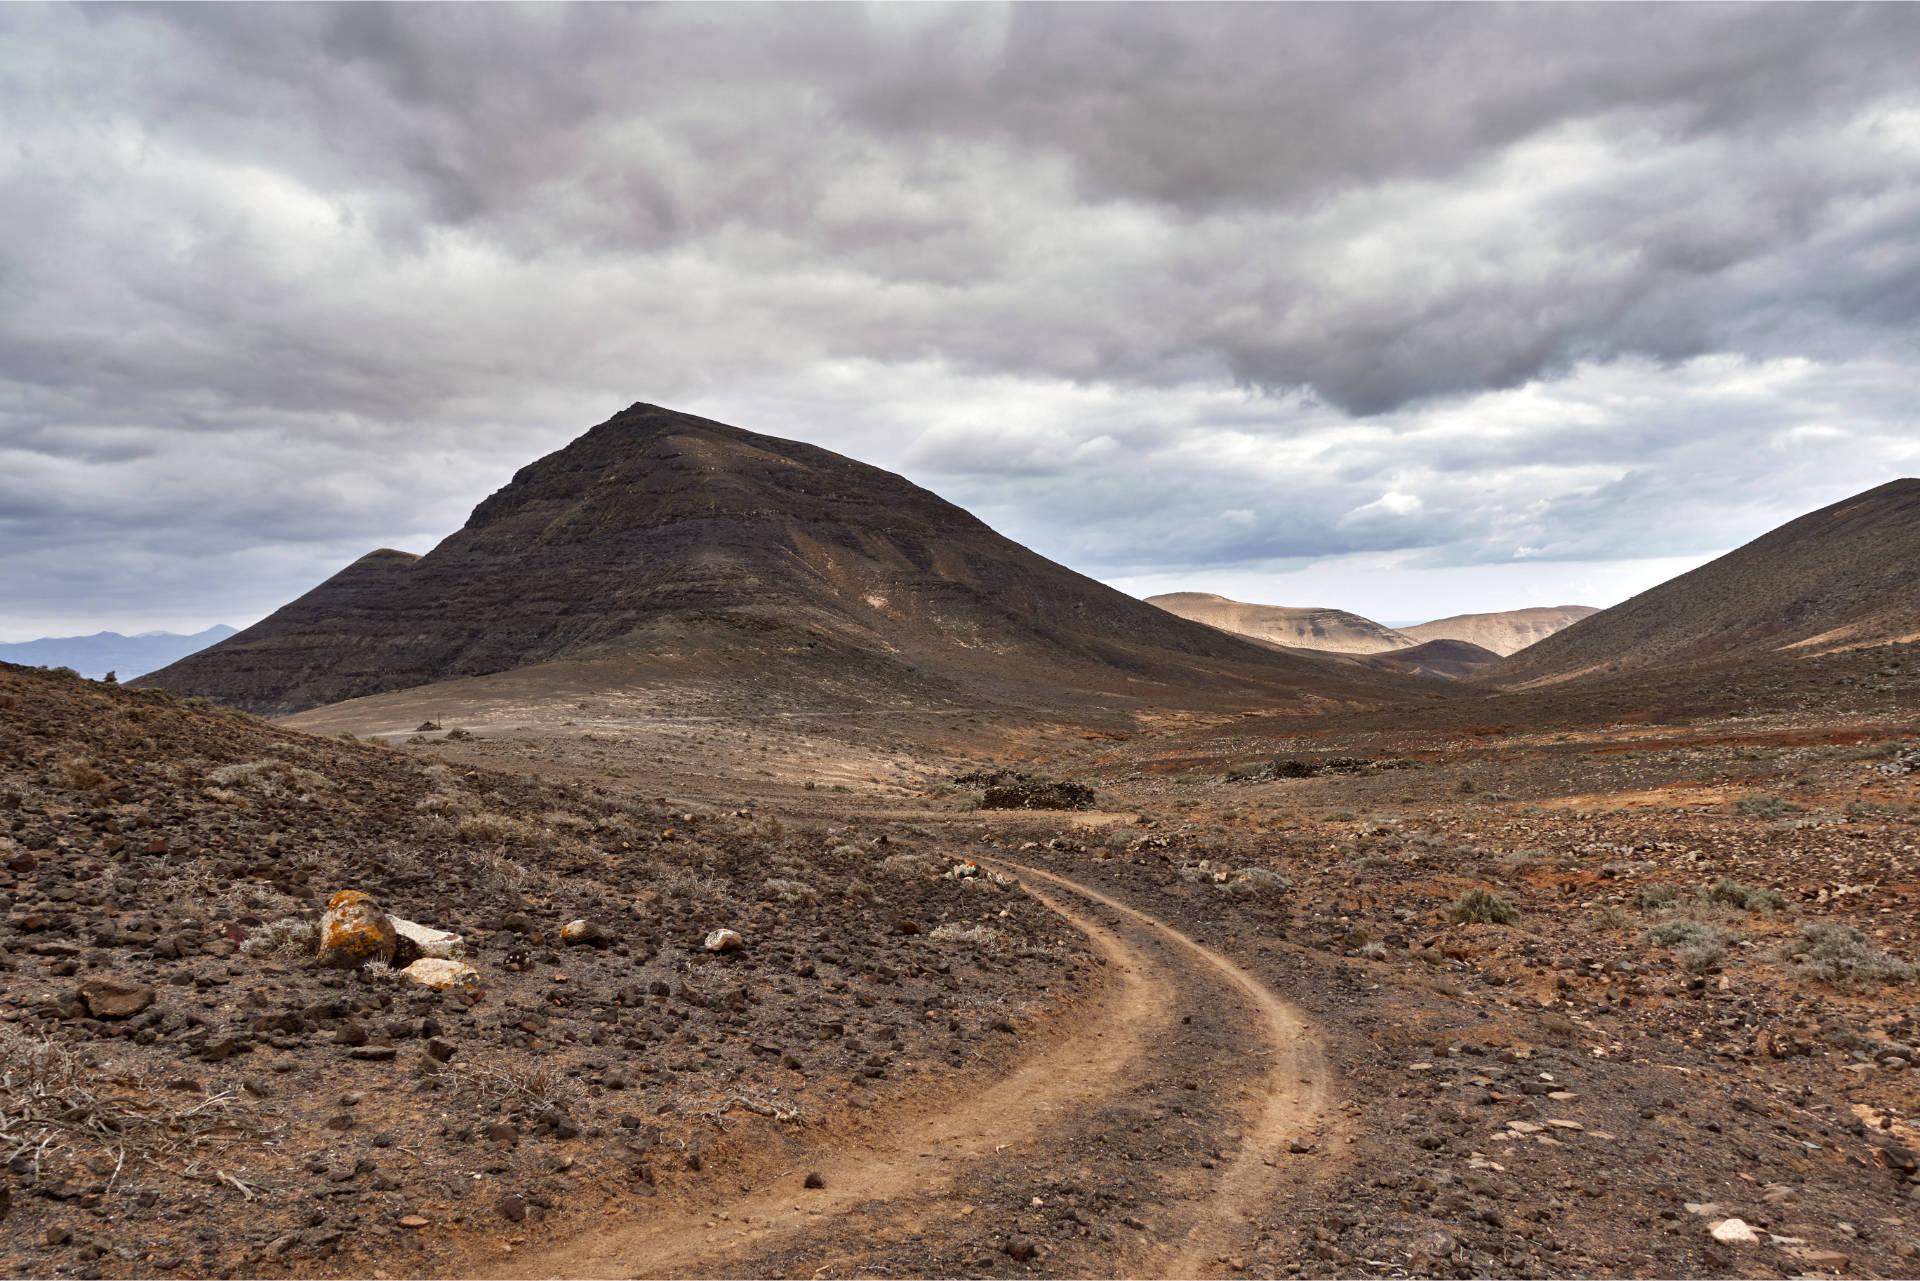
{"points": [[1408, 310]]}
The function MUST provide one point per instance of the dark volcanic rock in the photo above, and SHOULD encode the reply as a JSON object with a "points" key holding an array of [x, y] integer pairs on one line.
{"points": [[661, 530]]}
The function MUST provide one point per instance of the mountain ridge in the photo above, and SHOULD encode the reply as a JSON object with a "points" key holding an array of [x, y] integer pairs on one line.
{"points": [[658, 532]]}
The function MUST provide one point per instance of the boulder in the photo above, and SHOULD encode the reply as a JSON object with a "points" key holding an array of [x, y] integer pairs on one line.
{"points": [[725, 941], [441, 973], [111, 998], [355, 931], [584, 933], [416, 941]]}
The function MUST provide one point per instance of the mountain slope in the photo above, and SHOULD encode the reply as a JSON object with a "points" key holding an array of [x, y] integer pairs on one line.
{"points": [[1505, 632], [682, 540], [1332, 630], [1444, 658], [1837, 577], [125, 656]]}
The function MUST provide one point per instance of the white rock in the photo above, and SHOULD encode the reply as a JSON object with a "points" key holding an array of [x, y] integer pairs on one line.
{"points": [[1734, 1232], [439, 944], [441, 973], [725, 941]]}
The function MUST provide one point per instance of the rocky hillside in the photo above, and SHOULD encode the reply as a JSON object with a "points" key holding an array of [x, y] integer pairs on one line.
{"points": [[1505, 632], [1838, 577], [661, 534], [1332, 630]]}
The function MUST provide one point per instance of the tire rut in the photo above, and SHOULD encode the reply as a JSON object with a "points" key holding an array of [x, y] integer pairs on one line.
{"points": [[905, 1181]]}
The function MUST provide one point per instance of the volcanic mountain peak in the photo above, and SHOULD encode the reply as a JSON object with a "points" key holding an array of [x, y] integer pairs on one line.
{"points": [[1332, 630], [1835, 578], [661, 535]]}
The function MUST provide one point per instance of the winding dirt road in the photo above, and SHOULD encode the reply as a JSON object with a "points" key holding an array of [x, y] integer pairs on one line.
{"points": [[1125, 1082]]}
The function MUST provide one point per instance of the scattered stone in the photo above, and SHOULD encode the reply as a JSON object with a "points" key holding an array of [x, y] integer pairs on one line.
{"points": [[441, 973], [440, 1051], [354, 931], [373, 1053], [815, 1180], [1433, 1245], [1300, 1147], [1733, 1232], [425, 941], [415, 1221], [584, 933], [512, 1208], [110, 998], [725, 941], [1021, 1249]]}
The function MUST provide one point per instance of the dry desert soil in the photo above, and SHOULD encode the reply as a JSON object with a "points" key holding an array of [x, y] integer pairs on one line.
{"points": [[1611, 982]]}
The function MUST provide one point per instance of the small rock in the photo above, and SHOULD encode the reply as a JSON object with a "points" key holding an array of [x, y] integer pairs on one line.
{"points": [[584, 933], [1733, 1232], [441, 973], [373, 1053], [440, 1051], [512, 1208], [1300, 1147], [1705, 1209], [814, 1180], [1021, 1249], [1433, 1245], [415, 1221], [424, 940], [354, 931], [115, 998], [56, 1236], [725, 941]]}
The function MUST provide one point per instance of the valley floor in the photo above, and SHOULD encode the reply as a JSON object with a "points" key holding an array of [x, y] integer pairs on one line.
{"points": [[1538, 989]]}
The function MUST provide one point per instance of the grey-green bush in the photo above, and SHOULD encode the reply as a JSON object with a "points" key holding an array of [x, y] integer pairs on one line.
{"points": [[1483, 907]]}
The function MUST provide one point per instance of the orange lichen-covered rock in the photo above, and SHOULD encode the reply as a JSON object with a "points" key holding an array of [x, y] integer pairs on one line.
{"points": [[355, 931]]}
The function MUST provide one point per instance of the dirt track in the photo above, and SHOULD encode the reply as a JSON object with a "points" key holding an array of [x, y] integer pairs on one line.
{"points": [[938, 1191]]}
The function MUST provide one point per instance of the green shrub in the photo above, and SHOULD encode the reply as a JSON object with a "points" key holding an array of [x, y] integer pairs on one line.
{"points": [[1765, 806], [1745, 897], [1654, 894], [1483, 907], [1841, 955]]}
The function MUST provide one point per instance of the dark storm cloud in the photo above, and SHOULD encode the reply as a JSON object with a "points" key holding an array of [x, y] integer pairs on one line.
{"points": [[290, 280]]}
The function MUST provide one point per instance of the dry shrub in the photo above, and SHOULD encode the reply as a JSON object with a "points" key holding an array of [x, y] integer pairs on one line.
{"points": [[983, 937], [792, 893], [271, 778], [501, 829], [909, 864], [57, 1103], [289, 936], [77, 773], [1483, 907], [534, 1089]]}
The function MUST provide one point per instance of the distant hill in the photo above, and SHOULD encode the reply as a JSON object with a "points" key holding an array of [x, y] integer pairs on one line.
{"points": [[1504, 632], [125, 656], [1447, 659], [1333, 630], [687, 545], [1839, 577]]}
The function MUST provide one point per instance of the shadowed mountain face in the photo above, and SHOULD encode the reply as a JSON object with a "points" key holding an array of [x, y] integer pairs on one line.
{"points": [[664, 535], [1506, 632], [1839, 577], [1332, 630]]}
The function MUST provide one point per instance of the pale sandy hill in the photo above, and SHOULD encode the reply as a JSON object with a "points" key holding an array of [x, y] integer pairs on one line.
{"points": [[1333, 630], [1504, 632]]}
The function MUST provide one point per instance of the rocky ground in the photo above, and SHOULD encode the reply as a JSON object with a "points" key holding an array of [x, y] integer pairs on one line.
{"points": [[1617, 987], [186, 1091]]}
